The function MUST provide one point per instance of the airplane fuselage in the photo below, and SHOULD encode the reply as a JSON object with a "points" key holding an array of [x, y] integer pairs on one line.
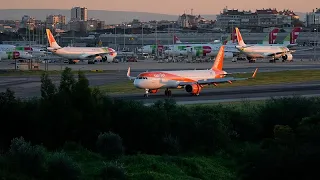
{"points": [[261, 51], [81, 53], [172, 79]]}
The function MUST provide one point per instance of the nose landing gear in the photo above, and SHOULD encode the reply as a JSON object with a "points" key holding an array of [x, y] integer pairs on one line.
{"points": [[147, 93]]}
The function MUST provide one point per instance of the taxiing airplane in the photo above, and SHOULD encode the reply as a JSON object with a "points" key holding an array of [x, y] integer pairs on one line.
{"points": [[80, 53], [191, 80], [256, 51]]}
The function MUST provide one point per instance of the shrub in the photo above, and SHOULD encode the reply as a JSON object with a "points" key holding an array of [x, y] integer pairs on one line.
{"points": [[112, 172], [26, 158], [171, 144], [61, 166], [110, 145]]}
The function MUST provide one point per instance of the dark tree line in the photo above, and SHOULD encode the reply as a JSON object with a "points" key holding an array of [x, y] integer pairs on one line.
{"points": [[277, 139]]}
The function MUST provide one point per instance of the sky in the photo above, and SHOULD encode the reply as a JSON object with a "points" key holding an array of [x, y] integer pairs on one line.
{"points": [[173, 7]]}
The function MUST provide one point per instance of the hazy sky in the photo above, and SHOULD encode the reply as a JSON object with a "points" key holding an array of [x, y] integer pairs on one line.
{"points": [[162, 6]]}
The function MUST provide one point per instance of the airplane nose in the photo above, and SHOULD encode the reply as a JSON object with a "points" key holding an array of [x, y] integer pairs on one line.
{"points": [[136, 83]]}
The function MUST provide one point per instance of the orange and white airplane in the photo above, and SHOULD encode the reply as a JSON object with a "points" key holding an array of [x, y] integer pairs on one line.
{"points": [[191, 80]]}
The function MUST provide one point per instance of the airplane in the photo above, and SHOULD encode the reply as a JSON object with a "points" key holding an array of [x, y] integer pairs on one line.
{"points": [[255, 51], [191, 80], [35, 52], [211, 49], [6, 55], [80, 53]]}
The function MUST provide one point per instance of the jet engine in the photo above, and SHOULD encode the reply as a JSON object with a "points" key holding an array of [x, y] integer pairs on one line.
{"points": [[193, 89], [287, 57], [228, 55], [109, 58], [153, 91]]}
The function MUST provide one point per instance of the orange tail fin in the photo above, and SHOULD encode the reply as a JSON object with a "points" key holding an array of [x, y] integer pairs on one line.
{"points": [[218, 63]]}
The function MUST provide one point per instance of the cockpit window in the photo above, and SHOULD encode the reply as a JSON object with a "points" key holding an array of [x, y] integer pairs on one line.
{"points": [[142, 78]]}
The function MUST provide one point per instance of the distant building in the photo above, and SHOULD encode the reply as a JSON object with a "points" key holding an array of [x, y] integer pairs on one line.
{"points": [[188, 20], [27, 22], [262, 18], [79, 14], [313, 18], [56, 21]]}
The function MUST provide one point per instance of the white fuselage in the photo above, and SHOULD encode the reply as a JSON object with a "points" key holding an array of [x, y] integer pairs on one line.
{"points": [[196, 50], [172, 79], [35, 52], [80, 53], [14, 55], [261, 51]]}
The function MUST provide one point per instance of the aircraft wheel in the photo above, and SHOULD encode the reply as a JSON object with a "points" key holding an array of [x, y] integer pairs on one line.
{"points": [[169, 93]]}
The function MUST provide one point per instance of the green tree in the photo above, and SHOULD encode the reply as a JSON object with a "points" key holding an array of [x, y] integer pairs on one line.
{"points": [[48, 89]]}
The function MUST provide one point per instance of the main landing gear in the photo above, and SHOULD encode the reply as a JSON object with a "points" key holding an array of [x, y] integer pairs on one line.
{"points": [[167, 92]]}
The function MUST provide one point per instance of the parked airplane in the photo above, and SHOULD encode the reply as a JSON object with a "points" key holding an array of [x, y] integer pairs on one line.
{"points": [[35, 52], [255, 51], [211, 49], [6, 55], [80, 53], [191, 80]]}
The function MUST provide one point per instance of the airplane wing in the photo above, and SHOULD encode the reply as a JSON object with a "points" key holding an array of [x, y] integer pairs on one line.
{"points": [[128, 75], [93, 55], [291, 51], [219, 80]]}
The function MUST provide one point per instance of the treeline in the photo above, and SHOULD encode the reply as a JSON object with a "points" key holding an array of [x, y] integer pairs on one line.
{"points": [[279, 138]]}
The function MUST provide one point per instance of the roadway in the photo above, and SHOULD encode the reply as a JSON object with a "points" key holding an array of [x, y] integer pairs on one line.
{"points": [[29, 86]]}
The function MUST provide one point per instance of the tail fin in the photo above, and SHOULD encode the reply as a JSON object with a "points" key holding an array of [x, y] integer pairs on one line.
{"points": [[176, 40], [227, 41], [239, 38], [273, 35], [52, 41], [294, 35], [232, 38], [218, 63]]}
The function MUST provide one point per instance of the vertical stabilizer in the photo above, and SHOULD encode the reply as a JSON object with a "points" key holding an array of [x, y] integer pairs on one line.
{"points": [[176, 40], [239, 38], [294, 35], [218, 63], [232, 39], [52, 41], [272, 36]]}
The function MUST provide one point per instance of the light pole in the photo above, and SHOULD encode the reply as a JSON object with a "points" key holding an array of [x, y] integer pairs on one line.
{"points": [[157, 51], [124, 36], [142, 43], [232, 21]]}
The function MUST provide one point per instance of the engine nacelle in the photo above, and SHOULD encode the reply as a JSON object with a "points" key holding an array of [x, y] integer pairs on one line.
{"points": [[193, 89], [153, 91], [228, 55], [287, 57]]}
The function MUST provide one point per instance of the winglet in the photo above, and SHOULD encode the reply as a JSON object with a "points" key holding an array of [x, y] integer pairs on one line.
{"points": [[254, 73], [128, 75]]}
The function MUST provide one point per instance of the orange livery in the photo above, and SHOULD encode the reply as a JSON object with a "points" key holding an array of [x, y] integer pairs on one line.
{"points": [[191, 80]]}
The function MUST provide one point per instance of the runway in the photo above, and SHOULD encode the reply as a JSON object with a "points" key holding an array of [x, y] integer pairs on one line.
{"points": [[29, 86], [231, 94]]}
